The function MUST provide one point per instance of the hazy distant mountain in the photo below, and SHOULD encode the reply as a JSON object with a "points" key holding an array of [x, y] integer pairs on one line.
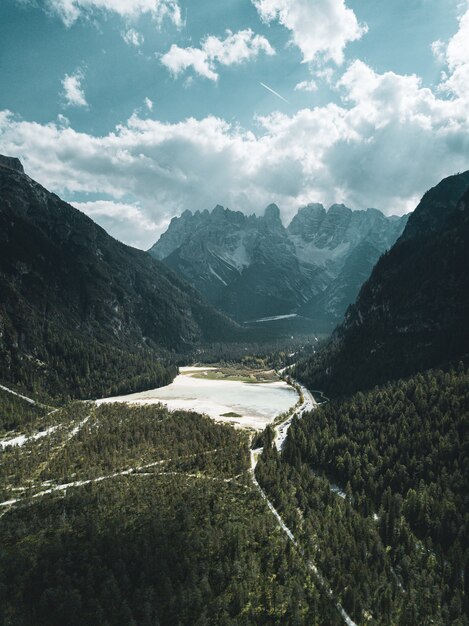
{"points": [[413, 311], [78, 305], [345, 245], [253, 267]]}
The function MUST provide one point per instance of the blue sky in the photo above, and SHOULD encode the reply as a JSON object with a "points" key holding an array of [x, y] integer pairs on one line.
{"points": [[134, 110]]}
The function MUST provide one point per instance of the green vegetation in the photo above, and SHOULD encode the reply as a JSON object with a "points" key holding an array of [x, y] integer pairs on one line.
{"points": [[79, 367], [22, 466], [238, 374], [344, 546], [231, 414], [152, 550], [181, 538], [396, 547], [254, 353], [81, 314], [119, 436], [17, 413]]}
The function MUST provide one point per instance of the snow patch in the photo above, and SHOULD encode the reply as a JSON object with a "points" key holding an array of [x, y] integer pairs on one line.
{"points": [[310, 253], [273, 318], [20, 440], [212, 271], [18, 395]]}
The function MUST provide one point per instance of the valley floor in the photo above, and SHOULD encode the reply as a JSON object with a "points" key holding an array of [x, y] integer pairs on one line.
{"points": [[245, 399], [106, 458], [144, 500]]}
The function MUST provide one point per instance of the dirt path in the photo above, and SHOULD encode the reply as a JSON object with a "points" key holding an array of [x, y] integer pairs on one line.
{"points": [[313, 568]]}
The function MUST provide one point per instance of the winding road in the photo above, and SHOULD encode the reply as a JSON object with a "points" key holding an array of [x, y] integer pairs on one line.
{"points": [[281, 430]]}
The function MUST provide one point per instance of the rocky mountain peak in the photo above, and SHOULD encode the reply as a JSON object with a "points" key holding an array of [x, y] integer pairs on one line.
{"points": [[178, 230], [219, 211], [253, 266], [339, 209], [411, 314], [307, 221], [434, 207], [313, 209], [272, 212], [271, 216], [12, 163]]}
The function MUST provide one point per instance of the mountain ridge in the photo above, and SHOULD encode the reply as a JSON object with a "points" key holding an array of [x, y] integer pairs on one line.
{"points": [[63, 276], [411, 314], [254, 267]]}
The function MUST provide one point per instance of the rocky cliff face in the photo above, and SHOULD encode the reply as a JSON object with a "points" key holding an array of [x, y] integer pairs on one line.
{"points": [[253, 267], [243, 264], [11, 163]]}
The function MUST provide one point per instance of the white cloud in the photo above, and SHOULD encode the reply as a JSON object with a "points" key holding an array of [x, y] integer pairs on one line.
{"points": [[233, 50], [388, 141], [73, 91], [439, 48], [321, 29], [306, 85], [126, 222], [133, 38], [70, 10], [149, 104], [178, 60], [456, 57], [62, 120]]}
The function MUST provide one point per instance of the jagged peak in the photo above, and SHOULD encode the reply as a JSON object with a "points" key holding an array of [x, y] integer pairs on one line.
{"points": [[339, 208], [272, 214], [219, 211], [312, 207], [272, 210], [374, 210], [11, 163], [308, 218]]}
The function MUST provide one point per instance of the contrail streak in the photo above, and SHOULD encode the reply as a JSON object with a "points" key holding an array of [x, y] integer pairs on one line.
{"points": [[274, 92]]}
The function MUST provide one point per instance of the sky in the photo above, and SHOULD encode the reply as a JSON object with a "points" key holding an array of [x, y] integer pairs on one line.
{"points": [[135, 110]]}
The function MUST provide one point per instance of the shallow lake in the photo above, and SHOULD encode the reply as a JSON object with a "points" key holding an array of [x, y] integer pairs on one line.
{"points": [[256, 404]]}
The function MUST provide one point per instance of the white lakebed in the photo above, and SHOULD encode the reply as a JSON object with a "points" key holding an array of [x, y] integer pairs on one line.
{"points": [[257, 404]]}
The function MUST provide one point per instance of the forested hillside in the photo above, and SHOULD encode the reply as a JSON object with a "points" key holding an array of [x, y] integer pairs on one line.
{"points": [[412, 313], [399, 452], [396, 548], [136, 516], [81, 313], [17, 413]]}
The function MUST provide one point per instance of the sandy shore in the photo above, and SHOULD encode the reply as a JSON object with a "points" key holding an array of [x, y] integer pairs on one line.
{"points": [[256, 405]]}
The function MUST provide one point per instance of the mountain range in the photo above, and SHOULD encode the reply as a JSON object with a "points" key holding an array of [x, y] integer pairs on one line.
{"points": [[139, 515], [73, 298], [412, 313], [254, 267]]}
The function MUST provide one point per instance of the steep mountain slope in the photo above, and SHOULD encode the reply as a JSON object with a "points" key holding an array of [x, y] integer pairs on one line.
{"points": [[244, 265], [398, 456], [73, 298], [413, 311], [253, 267], [345, 245]]}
